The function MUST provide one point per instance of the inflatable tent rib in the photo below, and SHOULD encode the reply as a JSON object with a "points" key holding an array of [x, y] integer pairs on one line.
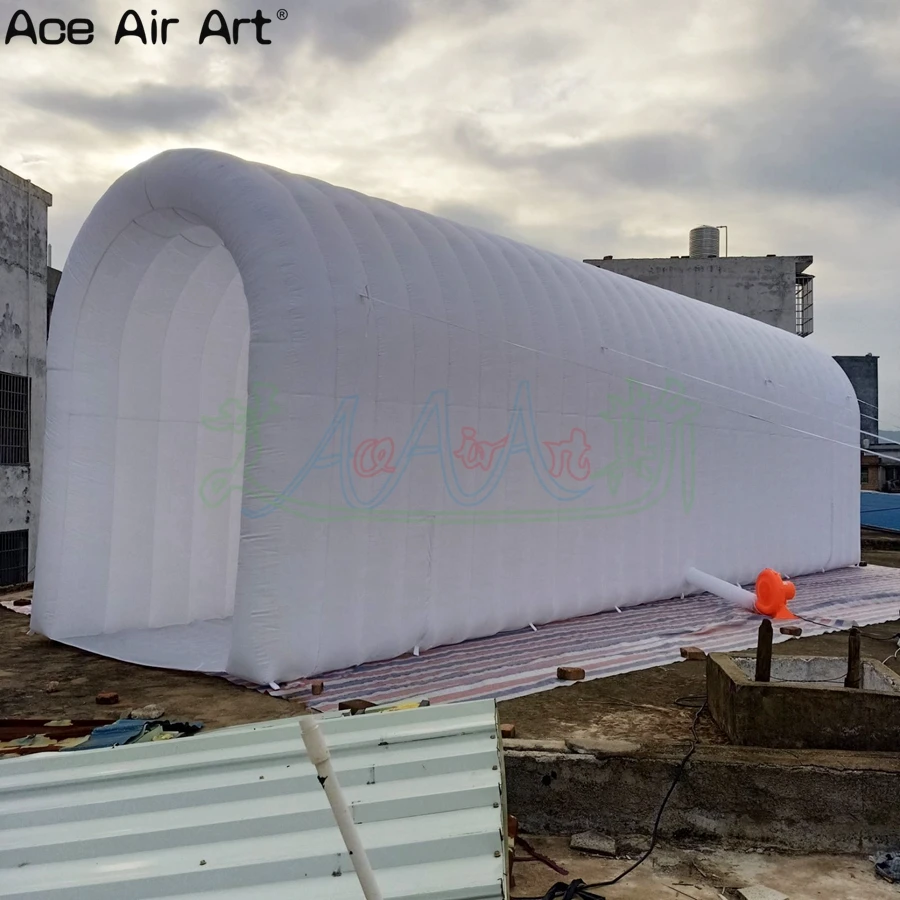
{"points": [[292, 428]]}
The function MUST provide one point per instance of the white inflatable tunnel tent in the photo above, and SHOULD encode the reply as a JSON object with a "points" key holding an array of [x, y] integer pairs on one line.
{"points": [[292, 428]]}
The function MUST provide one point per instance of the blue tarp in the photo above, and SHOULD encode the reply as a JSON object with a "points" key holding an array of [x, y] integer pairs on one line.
{"points": [[113, 735], [880, 511]]}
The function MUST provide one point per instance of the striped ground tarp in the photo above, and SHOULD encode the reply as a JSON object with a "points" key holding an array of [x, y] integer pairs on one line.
{"points": [[525, 662]]}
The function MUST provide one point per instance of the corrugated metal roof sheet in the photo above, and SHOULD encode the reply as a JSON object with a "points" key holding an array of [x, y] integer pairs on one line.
{"points": [[880, 510], [238, 814]]}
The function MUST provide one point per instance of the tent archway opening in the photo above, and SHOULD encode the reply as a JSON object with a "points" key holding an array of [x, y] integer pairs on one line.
{"points": [[160, 363]]}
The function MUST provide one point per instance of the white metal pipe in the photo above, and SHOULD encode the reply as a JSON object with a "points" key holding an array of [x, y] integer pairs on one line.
{"points": [[720, 588], [317, 749]]}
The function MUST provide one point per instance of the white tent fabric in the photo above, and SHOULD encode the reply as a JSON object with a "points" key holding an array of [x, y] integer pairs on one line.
{"points": [[292, 428]]}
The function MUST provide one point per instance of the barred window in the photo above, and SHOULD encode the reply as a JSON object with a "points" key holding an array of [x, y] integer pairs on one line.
{"points": [[13, 557], [804, 305], [15, 396]]}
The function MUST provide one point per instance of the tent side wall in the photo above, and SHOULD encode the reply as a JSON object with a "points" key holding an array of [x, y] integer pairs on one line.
{"points": [[450, 434]]}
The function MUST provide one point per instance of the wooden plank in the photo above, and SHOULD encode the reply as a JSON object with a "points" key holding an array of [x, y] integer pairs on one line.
{"points": [[764, 651], [854, 661]]}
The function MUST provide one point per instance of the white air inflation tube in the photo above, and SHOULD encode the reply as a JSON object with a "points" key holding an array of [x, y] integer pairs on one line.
{"points": [[321, 759], [720, 588]]}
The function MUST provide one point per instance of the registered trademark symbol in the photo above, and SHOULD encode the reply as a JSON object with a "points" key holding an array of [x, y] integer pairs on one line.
{"points": [[282, 14]]}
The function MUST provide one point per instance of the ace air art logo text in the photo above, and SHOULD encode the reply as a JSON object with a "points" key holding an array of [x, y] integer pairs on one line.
{"points": [[132, 27]]}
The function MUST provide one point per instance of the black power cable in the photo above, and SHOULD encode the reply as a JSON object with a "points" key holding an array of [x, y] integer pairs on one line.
{"points": [[655, 836], [865, 634], [578, 890], [696, 702]]}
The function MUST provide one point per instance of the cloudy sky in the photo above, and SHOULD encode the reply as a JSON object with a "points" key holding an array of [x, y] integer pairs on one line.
{"points": [[588, 127]]}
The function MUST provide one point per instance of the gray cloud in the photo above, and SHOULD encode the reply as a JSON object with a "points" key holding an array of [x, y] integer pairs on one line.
{"points": [[148, 107], [354, 30], [831, 124], [650, 161], [587, 127], [828, 125], [351, 31]]}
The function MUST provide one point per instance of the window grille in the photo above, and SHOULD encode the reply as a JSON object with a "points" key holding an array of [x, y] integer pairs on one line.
{"points": [[15, 397], [13, 557], [804, 305]]}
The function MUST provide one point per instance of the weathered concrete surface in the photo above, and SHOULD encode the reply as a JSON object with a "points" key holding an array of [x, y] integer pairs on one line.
{"points": [[23, 338], [759, 892], [811, 715], [591, 842], [760, 287], [641, 706], [15, 491], [29, 662], [827, 671], [806, 801], [672, 874], [733, 796], [863, 374]]}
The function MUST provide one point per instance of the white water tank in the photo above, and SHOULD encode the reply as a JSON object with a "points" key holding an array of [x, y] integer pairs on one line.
{"points": [[704, 242]]}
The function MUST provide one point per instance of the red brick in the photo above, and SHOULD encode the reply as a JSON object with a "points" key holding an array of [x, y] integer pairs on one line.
{"points": [[317, 688], [693, 653], [507, 732], [107, 698], [792, 630], [570, 673]]}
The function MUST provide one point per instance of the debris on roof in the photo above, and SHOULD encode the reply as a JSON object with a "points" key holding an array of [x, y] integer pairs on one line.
{"points": [[238, 813], [23, 737]]}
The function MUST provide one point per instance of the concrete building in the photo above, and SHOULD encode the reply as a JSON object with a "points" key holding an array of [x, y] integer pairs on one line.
{"points": [[773, 289], [863, 374], [881, 468], [23, 369]]}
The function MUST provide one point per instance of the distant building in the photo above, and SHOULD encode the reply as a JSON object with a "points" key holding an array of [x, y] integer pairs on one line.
{"points": [[23, 369], [773, 289], [881, 472], [863, 374]]}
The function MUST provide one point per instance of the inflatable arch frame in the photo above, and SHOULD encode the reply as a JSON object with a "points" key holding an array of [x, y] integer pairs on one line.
{"points": [[292, 428]]}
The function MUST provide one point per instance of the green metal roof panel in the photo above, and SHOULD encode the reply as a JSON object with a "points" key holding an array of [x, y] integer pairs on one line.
{"points": [[231, 813]]}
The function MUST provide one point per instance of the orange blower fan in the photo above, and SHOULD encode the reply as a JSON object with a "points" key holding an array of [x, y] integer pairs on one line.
{"points": [[771, 597]]}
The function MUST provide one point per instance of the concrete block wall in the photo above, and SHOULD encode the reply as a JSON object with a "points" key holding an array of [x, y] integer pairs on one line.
{"points": [[760, 287], [863, 374], [23, 339]]}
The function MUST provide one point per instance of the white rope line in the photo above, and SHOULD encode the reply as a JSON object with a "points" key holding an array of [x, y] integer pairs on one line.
{"points": [[673, 372]]}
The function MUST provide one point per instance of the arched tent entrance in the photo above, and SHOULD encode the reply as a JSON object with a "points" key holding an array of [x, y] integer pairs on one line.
{"points": [[292, 428], [162, 338]]}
